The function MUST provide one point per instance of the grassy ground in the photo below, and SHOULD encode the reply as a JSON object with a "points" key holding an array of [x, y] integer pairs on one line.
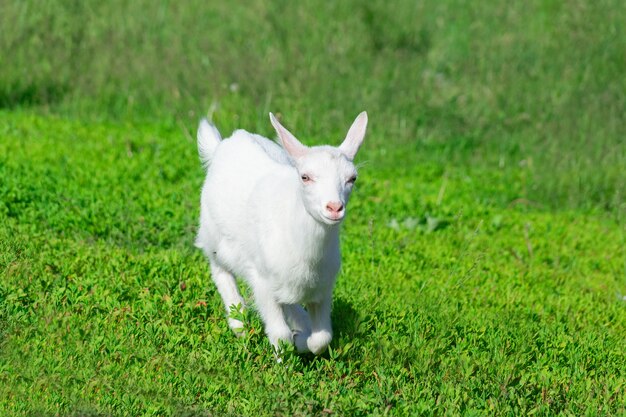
{"points": [[453, 299], [484, 250]]}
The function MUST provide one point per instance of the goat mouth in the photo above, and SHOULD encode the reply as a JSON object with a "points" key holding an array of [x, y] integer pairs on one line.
{"points": [[332, 220]]}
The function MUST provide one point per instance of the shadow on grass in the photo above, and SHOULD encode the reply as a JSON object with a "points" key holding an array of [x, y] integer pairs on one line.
{"points": [[345, 319]]}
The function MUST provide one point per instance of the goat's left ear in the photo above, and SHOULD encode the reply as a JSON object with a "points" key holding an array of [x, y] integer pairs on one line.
{"points": [[354, 138]]}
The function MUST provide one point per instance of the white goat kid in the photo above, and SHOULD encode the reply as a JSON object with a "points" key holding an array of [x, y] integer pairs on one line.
{"points": [[271, 215]]}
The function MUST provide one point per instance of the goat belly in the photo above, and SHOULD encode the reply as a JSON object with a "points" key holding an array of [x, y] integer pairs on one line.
{"points": [[296, 293]]}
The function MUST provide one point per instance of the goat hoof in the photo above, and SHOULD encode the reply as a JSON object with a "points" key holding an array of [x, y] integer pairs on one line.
{"points": [[319, 341], [300, 341], [237, 327]]}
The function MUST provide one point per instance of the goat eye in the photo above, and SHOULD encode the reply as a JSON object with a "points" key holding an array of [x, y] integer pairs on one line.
{"points": [[305, 178], [352, 179]]}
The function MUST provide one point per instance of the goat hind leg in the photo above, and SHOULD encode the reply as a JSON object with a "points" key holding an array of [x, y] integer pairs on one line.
{"points": [[300, 323], [227, 287]]}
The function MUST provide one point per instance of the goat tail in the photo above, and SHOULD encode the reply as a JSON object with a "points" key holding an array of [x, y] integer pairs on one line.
{"points": [[208, 139]]}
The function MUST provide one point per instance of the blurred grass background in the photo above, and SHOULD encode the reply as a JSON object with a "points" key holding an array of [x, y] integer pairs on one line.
{"points": [[539, 83]]}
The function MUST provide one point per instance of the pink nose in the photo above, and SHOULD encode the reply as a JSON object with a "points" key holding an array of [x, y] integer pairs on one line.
{"points": [[334, 207]]}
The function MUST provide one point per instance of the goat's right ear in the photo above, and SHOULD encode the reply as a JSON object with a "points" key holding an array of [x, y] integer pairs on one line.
{"points": [[292, 145]]}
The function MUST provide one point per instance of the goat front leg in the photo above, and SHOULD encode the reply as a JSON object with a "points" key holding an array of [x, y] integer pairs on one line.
{"points": [[321, 326], [271, 312]]}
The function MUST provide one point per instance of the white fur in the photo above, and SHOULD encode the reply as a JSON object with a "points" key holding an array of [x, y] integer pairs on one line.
{"points": [[261, 221]]}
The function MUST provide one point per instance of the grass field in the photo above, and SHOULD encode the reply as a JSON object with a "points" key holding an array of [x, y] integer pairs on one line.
{"points": [[484, 253]]}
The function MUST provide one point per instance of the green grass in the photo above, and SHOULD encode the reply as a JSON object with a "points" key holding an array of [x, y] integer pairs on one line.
{"points": [[451, 300], [484, 254]]}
